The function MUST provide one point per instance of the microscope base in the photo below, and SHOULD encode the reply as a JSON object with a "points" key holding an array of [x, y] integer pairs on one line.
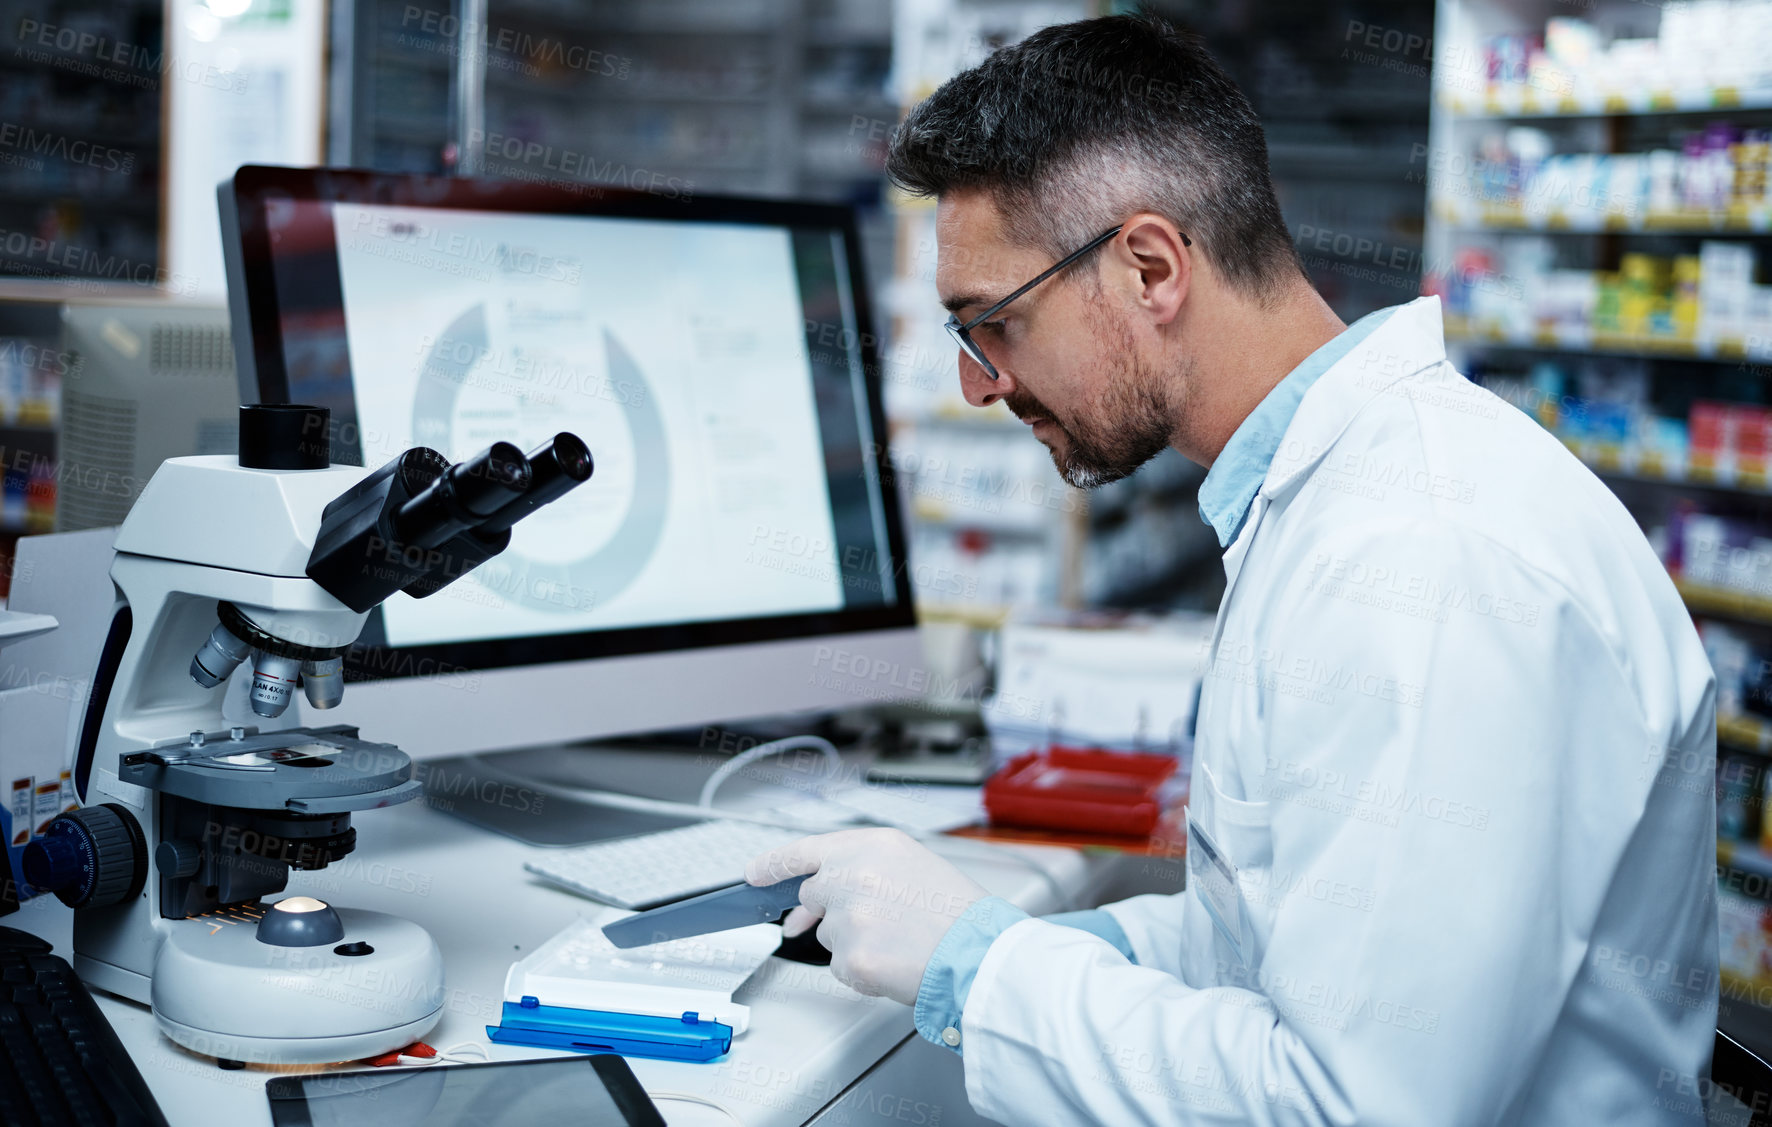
{"points": [[219, 991], [297, 1050], [113, 979]]}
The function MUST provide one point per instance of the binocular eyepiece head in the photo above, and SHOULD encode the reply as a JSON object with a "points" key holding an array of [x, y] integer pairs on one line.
{"points": [[415, 524], [418, 523]]}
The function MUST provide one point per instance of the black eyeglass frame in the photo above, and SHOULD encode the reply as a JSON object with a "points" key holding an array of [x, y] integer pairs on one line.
{"points": [[962, 333]]}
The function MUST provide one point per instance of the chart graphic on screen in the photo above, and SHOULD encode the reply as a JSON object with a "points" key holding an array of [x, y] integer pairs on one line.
{"points": [[461, 361], [693, 387]]}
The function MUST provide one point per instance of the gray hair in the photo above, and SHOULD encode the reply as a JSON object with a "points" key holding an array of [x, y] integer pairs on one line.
{"points": [[1081, 125]]}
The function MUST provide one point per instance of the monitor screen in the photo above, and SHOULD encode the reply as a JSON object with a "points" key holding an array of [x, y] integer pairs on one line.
{"points": [[713, 354]]}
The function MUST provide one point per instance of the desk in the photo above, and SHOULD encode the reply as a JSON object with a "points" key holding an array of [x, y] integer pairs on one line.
{"points": [[810, 1037]]}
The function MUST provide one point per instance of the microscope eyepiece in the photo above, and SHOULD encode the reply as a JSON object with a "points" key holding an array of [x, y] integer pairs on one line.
{"points": [[464, 495], [285, 436], [565, 462], [569, 453], [490, 479], [417, 468]]}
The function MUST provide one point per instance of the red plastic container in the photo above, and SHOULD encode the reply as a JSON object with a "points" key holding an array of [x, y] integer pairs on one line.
{"points": [[1073, 789]]}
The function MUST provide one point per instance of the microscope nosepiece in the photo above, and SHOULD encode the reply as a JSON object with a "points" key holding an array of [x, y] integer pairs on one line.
{"points": [[273, 683], [220, 654]]}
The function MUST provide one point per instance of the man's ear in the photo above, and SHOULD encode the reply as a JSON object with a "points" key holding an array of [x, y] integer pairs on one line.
{"points": [[1156, 264]]}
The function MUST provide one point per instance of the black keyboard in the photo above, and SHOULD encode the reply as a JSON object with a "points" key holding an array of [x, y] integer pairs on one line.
{"points": [[61, 1062]]}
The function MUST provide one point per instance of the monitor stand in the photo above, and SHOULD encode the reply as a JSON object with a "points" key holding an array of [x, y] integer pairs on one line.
{"points": [[518, 793]]}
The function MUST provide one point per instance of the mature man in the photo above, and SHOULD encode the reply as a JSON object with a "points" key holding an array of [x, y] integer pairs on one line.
{"points": [[1450, 832]]}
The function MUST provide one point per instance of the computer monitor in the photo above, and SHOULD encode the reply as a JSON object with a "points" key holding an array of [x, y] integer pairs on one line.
{"points": [[146, 381], [738, 551]]}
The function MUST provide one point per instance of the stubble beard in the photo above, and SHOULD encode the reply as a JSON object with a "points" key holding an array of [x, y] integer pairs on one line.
{"points": [[1129, 424]]}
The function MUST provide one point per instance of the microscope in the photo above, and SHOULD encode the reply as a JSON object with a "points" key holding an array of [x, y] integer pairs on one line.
{"points": [[190, 819]]}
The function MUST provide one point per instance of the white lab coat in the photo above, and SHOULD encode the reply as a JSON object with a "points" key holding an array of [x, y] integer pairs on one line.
{"points": [[1457, 738]]}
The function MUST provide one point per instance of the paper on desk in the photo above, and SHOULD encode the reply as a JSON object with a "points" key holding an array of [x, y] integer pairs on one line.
{"points": [[916, 808], [1131, 687], [581, 969]]}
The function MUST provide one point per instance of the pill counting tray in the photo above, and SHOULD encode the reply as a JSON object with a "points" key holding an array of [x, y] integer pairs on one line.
{"points": [[1085, 790], [580, 969]]}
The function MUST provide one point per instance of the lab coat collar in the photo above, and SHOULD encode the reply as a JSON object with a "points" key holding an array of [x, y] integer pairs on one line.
{"points": [[1410, 340], [1228, 493]]}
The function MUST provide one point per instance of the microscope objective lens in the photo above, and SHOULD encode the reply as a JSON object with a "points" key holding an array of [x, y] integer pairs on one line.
{"points": [[220, 654], [273, 682]]}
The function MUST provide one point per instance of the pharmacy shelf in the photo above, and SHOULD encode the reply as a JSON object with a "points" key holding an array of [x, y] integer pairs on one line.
{"points": [[1725, 602], [561, 86], [1738, 985], [1744, 856], [931, 511], [1609, 459], [1503, 218], [1748, 733], [1146, 587], [1576, 338], [704, 22], [1617, 115], [868, 104], [990, 422], [130, 201], [1743, 1015], [1333, 159], [876, 37], [984, 616], [1518, 101]]}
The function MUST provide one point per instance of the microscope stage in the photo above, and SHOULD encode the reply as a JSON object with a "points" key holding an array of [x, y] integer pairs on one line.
{"points": [[303, 770]]}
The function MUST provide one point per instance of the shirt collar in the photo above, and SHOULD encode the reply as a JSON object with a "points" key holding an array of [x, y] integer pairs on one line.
{"points": [[1235, 478]]}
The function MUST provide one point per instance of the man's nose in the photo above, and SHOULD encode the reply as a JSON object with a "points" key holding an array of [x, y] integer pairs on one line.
{"points": [[976, 383]]}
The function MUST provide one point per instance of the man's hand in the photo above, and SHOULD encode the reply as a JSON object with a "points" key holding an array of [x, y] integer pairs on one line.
{"points": [[885, 902]]}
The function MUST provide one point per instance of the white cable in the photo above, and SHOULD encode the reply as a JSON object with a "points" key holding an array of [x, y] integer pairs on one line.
{"points": [[660, 806], [664, 806], [833, 762], [443, 1055], [685, 1097], [480, 1049]]}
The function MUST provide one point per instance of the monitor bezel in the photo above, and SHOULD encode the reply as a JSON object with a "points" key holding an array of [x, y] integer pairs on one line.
{"points": [[252, 294]]}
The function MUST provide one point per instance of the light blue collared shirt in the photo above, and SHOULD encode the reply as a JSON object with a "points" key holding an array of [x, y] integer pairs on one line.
{"points": [[1235, 478], [941, 997]]}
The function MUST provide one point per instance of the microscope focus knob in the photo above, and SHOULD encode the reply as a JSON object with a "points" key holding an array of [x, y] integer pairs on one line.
{"points": [[89, 857], [178, 858]]}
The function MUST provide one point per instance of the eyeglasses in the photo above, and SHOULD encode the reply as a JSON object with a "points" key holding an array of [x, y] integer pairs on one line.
{"points": [[962, 333]]}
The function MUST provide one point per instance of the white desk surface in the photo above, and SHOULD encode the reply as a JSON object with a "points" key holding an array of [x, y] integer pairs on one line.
{"points": [[810, 1036]]}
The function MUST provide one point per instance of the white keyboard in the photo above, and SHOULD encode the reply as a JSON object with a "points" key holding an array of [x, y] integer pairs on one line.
{"points": [[652, 869]]}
